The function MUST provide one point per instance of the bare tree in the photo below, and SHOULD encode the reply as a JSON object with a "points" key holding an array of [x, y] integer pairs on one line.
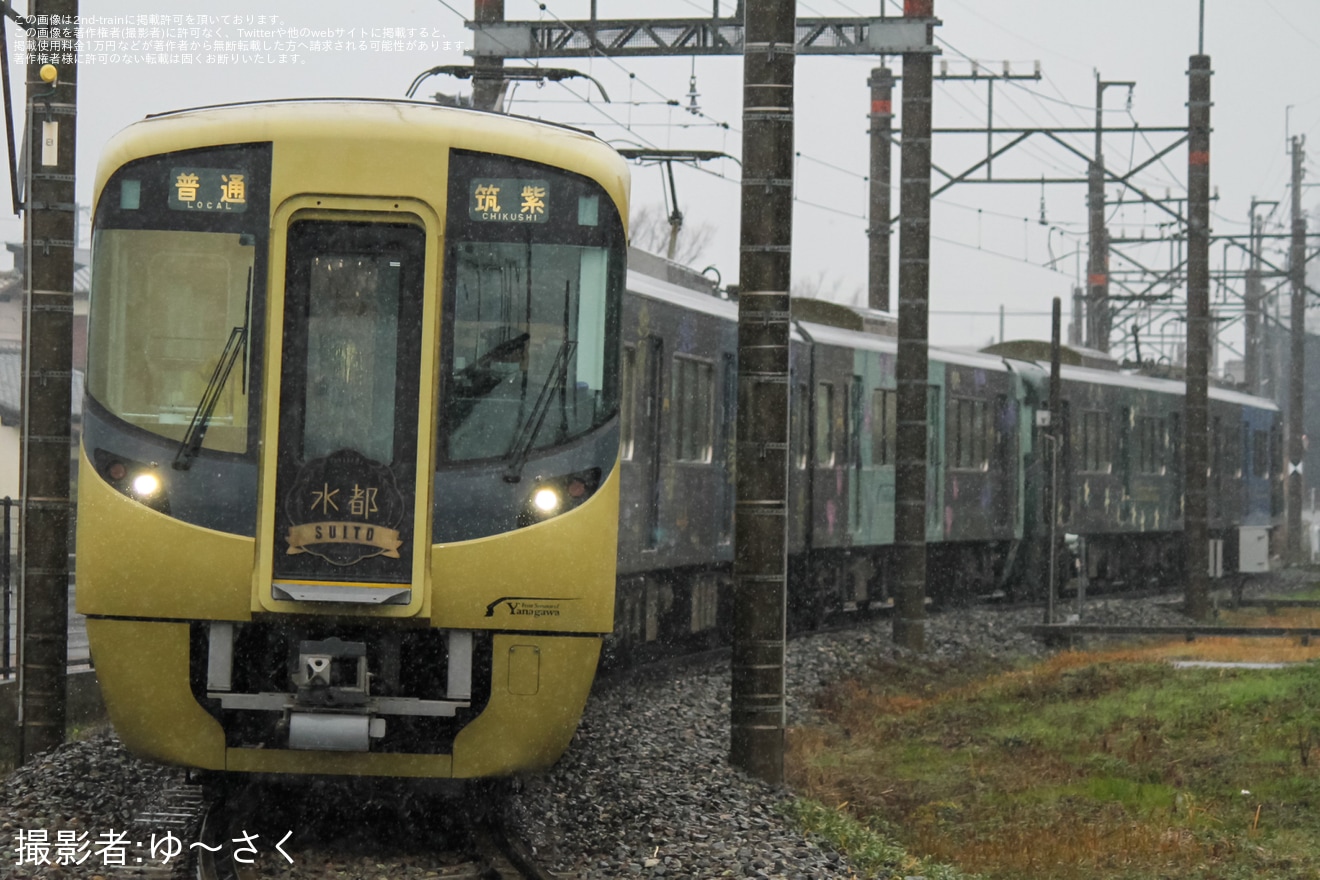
{"points": [[833, 288], [650, 231]]}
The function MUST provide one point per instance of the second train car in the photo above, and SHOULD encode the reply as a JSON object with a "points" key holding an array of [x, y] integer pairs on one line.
{"points": [[1119, 467]]}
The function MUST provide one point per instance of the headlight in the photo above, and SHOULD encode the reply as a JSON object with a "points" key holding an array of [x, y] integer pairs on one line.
{"points": [[546, 500], [555, 495], [146, 484], [138, 480]]}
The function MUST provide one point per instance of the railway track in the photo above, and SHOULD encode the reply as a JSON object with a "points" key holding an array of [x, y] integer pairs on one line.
{"points": [[255, 830]]}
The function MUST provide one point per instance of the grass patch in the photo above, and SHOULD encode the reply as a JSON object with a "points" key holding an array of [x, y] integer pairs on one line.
{"points": [[1085, 766], [870, 849]]}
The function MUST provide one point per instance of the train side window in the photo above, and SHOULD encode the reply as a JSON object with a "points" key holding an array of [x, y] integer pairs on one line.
{"points": [[1145, 443], [1216, 465], [825, 424], [1176, 451], [961, 418], [1151, 445], [693, 403], [1260, 454], [800, 427], [971, 434], [1276, 452], [1241, 457], [628, 403], [1162, 445], [962, 454], [854, 417], [934, 461], [845, 427], [1066, 459], [1094, 442], [1084, 441], [884, 425], [1125, 447], [981, 425], [999, 432]]}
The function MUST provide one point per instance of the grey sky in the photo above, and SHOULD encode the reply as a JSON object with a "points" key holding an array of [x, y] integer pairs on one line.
{"points": [[990, 243]]}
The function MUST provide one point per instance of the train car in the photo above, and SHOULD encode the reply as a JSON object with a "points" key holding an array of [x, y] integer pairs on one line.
{"points": [[1121, 471], [679, 376], [847, 386], [1119, 476], [349, 492]]}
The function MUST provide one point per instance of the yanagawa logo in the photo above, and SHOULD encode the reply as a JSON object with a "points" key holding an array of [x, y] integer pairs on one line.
{"points": [[527, 606]]}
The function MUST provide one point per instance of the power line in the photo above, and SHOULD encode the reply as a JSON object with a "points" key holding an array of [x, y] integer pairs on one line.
{"points": [[632, 75], [601, 111], [1296, 30], [1000, 254]]}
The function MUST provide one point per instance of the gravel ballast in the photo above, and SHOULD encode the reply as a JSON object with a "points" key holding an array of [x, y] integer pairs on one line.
{"points": [[645, 790]]}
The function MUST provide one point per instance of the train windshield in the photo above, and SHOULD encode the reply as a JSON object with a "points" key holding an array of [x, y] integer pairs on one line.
{"points": [[177, 263], [534, 271]]}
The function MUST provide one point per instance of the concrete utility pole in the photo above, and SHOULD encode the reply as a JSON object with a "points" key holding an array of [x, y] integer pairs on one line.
{"points": [[882, 90], [1075, 331], [913, 319], [1197, 398], [761, 522], [1297, 368], [488, 70], [882, 135], [1054, 437], [49, 221], [1252, 301]]}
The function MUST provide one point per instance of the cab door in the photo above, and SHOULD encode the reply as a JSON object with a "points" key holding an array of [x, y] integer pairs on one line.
{"points": [[346, 461]]}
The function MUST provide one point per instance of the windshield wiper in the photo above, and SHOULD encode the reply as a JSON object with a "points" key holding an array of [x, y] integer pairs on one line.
{"points": [[480, 378], [196, 433], [526, 436]]}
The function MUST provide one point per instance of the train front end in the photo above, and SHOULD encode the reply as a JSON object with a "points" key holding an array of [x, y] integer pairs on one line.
{"points": [[349, 495]]}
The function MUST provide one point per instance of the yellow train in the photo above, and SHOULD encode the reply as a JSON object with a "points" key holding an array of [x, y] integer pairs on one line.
{"points": [[349, 490]]}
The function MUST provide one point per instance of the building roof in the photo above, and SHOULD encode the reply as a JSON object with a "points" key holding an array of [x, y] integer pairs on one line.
{"points": [[11, 386]]}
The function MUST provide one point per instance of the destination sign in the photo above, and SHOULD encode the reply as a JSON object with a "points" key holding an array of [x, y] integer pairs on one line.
{"points": [[501, 200], [217, 190]]}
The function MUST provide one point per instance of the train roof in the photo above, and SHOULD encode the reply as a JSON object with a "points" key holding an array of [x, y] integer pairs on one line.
{"points": [[1039, 350], [829, 335], [361, 100], [1151, 383], [655, 288], [358, 133], [641, 283]]}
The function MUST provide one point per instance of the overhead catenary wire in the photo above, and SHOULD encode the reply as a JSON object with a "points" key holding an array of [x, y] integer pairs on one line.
{"points": [[671, 102], [642, 128], [665, 100]]}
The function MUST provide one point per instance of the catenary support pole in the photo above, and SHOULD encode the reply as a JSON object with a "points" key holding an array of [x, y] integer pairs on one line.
{"points": [[1251, 302], [913, 317], [1297, 364], [1195, 509], [1097, 272], [760, 524], [1076, 333], [49, 223], [882, 135], [1099, 319]]}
